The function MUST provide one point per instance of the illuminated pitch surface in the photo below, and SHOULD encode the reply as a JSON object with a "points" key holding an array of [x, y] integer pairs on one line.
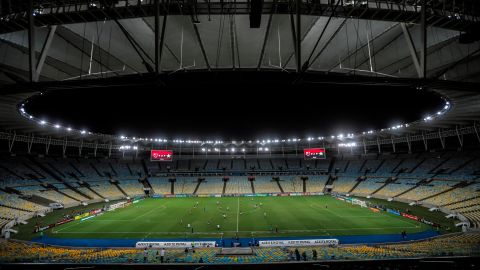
{"points": [[294, 216]]}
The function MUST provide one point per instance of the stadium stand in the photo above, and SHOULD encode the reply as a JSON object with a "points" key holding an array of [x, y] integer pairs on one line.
{"points": [[344, 184], [211, 186], [461, 244], [264, 184], [316, 183], [368, 186], [160, 185], [132, 187]]}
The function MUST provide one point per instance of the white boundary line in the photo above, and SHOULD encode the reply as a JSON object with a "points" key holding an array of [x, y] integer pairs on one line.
{"points": [[209, 232]]}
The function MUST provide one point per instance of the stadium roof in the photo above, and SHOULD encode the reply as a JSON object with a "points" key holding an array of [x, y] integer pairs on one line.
{"points": [[93, 43]]}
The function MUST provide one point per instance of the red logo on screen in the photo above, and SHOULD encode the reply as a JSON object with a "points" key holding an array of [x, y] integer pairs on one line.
{"points": [[161, 155], [314, 153]]}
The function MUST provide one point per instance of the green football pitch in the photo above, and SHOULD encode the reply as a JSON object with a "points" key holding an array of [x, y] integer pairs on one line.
{"points": [[242, 216]]}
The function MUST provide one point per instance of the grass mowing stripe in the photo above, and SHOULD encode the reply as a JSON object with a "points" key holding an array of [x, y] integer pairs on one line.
{"points": [[238, 210]]}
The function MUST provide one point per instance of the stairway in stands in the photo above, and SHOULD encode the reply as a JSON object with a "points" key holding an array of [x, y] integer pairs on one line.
{"points": [[304, 185], [85, 185], [388, 181], [279, 186], [224, 186], [16, 208], [421, 182], [172, 187], [253, 187], [198, 185], [38, 200], [474, 199], [59, 179], [459, 185], [115, 183], [146, 184], [64, 194], [359, 180]]}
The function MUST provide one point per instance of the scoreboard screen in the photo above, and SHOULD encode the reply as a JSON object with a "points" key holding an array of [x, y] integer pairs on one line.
{"points": [[161, 155], [314, 153]]}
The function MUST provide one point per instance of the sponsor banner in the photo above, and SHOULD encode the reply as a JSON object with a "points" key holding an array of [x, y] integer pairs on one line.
{"points": [[305, 242], [314, 153], [429, 223], [374, 209], [395, 212], [86, 218], [409, 216], [197, 244], [40, 229], [157, 196], [161, 155], [81, 216], [63, 221], [96, 211]]}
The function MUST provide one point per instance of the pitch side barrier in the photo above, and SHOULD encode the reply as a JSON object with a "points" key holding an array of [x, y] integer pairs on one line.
{"points": [[263, 243], [238, 195], [377, 208], [88, 215]]}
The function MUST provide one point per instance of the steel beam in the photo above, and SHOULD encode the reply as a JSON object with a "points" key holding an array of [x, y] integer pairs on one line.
{"points": [[298, 40], [411, 48], [423, 24], [44, 52], [31, 42], [157, 34]]}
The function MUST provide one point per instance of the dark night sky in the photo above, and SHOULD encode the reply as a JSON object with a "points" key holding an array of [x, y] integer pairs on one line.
{"points": [[234, 110]]}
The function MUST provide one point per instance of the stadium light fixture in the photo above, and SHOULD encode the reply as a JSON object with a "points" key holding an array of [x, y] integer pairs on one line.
{"points": [[83, 132], [266, 148], [69, 129], [43, 122], [351, 144], [57, 126]]}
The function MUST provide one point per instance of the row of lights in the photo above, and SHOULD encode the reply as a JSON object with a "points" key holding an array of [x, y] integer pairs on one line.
{"points": [[128, 147], [351, 144], [56, 126], [439, 113], [233, 150], [262, 142]]}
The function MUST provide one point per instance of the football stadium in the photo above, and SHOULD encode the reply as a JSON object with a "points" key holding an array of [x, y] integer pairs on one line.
{"points": [[233, 134]]}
